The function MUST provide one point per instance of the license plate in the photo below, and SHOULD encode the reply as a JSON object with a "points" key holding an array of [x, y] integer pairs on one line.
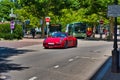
{"points": [[51, 43]]}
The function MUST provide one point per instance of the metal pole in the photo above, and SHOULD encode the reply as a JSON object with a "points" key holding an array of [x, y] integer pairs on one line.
{"points": [[115, 46], [11, 31], [101, 31], [47, 30], [115, 52]]}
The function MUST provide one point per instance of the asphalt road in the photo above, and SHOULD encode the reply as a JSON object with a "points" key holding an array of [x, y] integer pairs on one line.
{"points": [[36, 63]]}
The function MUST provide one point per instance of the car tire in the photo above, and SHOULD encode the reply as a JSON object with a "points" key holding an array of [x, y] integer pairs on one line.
{"points": [[45, 47], [76, 43], [65, 45]]}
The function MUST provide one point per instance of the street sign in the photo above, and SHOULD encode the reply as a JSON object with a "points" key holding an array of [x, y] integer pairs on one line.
{"points": [[12, 15], [47, 19], [113, 10], [47, 23], [101, 21], [12, 23]]}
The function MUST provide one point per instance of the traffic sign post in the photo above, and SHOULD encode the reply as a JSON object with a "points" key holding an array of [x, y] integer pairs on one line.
{"points": [[101, 30], [12, 26], [114, 11], [12, 23], [47, 19]]}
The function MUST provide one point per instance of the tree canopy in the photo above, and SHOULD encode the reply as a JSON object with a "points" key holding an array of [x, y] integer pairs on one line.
{"points": [[60, 11], [5, 7]]}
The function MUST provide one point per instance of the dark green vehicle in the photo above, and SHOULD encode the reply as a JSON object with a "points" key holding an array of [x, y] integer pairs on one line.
{"points": [[77, 29]]}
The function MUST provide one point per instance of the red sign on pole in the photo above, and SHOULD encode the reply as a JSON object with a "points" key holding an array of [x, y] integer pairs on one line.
{"points": [[47, 19], [101, 21]]}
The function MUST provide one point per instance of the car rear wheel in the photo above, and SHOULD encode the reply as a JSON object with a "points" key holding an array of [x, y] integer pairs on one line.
{"points": [[76, 43]]}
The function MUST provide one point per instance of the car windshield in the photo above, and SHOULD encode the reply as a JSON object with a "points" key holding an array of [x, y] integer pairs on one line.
{"points": [[55, 34], [79, 27]]}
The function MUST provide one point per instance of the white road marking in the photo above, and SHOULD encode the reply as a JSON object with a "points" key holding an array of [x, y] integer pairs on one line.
{"points": [[84, 57], [2, 77], [33, 78], [94, 58], [70, 60], [76, 57], [57, 66]]}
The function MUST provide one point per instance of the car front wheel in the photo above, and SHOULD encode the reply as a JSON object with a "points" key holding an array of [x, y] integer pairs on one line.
{"points": [[65, 45]]}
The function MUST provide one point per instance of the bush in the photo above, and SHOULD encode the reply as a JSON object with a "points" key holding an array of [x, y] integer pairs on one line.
{"points": [[4, 28], [8, 36], [18, 32], [5, 32]]}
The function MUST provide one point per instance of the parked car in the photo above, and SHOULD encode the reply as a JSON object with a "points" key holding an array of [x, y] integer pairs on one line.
{"points": [[59, 40]]}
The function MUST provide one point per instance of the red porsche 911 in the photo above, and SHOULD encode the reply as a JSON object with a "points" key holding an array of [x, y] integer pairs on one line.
{"points": [[59, 40]]}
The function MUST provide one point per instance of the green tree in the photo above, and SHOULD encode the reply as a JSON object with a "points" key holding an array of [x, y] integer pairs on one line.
{"points": [[5, 7], [65, 11], [42, 8]]}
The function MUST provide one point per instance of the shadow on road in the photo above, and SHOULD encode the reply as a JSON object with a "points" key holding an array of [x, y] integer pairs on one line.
{"points": [[5, 65]]}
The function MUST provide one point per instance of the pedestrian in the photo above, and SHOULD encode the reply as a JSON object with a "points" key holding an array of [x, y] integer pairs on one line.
{"points": [[106, 33], [33, 32]]}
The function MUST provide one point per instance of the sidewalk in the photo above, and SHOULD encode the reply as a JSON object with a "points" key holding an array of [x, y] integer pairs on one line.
{"points": [[20, 43], [111, 76]]}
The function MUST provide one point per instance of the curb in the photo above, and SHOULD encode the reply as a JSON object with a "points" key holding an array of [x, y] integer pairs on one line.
{"points": [[102, 70]]}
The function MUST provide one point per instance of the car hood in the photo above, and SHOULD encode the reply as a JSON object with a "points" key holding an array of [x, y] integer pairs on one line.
{"points": [[51, 39]]}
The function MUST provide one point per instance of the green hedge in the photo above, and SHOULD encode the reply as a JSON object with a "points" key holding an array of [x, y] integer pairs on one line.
{"points": [[5, 32]]}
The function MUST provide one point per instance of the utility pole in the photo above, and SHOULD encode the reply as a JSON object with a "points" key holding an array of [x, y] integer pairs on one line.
{"points": [[115, 52]]}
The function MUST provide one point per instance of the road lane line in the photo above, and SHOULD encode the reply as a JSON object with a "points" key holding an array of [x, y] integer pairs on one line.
{"points": [[76, 57], [70, 60], [57, 66], [2, 77], [85, 57], [33, 78]]}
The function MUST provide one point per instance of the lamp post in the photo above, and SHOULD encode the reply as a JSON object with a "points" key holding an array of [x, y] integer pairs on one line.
{"points": [[115, 52]]}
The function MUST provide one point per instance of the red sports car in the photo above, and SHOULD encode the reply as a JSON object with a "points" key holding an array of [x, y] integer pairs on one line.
{"points": [[59, 40]]}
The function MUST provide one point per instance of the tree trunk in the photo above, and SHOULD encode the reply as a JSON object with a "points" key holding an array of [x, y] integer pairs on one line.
{"points": [[42, 28], [94, 30], [111, 32]]}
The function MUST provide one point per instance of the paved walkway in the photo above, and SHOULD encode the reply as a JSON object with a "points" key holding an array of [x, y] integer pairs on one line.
{"points": [[20, 43]]}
